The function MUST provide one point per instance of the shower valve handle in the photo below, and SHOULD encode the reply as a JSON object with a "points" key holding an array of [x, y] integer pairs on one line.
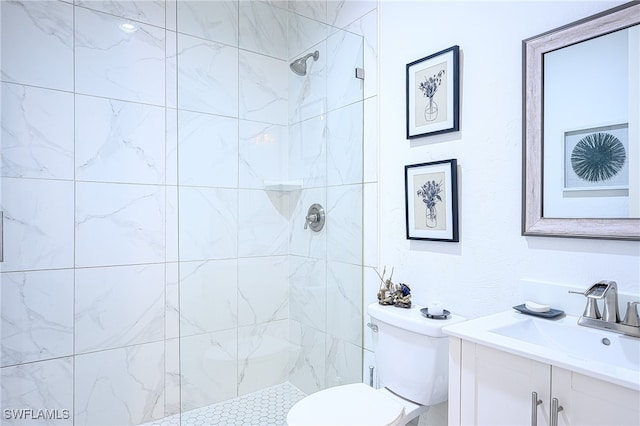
{"points": [[312, 218], [315, 218]]}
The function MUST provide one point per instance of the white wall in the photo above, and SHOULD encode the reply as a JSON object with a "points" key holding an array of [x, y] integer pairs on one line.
{"points": [[480, 274]]}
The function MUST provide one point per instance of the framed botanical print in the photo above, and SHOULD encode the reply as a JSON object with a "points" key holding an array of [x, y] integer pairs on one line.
{"points": [[433, 94], [431, 195]]}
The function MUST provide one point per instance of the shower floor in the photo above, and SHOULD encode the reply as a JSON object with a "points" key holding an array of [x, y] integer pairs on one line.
{"points": [[266, 407]]}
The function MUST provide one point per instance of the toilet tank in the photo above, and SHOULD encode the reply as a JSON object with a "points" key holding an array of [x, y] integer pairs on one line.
{"points": [[412, 352]]}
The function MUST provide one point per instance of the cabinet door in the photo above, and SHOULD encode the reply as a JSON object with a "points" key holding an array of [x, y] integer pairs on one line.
{"points": [[496, 387], [588, 401]]}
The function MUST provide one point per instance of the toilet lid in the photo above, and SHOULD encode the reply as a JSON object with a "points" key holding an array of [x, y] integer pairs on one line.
{"points": [[355, 404]]}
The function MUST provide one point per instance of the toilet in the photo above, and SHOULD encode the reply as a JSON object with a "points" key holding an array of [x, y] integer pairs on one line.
{"points": [[412, 355]]}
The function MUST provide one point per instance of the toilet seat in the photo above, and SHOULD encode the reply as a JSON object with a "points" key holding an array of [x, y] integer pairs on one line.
{"points": [[354, 404]]}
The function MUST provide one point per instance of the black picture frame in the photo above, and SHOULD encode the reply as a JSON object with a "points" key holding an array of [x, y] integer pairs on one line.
{"points": [[431, 201], [433, 94]]}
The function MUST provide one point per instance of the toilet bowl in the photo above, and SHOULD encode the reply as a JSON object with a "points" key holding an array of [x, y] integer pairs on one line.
{"points": [[412, 360], [355, 404]]}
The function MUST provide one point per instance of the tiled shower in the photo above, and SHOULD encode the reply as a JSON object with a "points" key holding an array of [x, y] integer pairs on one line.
{"points": [[158, 160]]}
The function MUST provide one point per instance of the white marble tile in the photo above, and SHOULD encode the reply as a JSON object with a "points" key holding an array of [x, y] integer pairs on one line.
{"points": [[263, 28], [370, 225], [208, 223], [344, 301], [308, 152], [344, 228], [119, 224], [37, 132], [308, 93], [304, 242], [345, 145], [340, 13], [172, 301], [208, 368], [208, 296], [38, 224], [172, 376], [308, 292], [304, 33], [263, 223], [345, 53], [309, 362], [314, 9], [263, 290], [367, 27], [37, 316], [263, 88], [370, 153], [344, 362], [207, 150], [171, 139], [207, 76], [147, 11], [39, 386], [171, 11], [172, 232], [171, 66], [263, 153], [45, 31], [119, 306], [210, 20], [116, 63], [119, 141], [264, 355], [122, 386]]}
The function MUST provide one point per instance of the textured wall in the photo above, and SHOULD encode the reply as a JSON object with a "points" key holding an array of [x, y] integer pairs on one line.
{"points": [[480, 274]]}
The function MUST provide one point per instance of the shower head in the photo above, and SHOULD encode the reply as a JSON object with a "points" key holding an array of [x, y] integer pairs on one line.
{"points": [[299, 66]]}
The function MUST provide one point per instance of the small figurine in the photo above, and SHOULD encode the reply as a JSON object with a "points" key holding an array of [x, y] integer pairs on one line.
{"points": [[386, 290], [403, 299], [398, 295]]}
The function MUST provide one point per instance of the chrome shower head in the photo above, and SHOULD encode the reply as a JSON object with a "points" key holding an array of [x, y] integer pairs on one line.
{"points": [[299, 66]]}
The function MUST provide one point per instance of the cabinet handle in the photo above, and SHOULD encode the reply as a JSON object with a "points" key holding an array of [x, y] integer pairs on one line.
{"points": [[555, 409], [534, 408]]}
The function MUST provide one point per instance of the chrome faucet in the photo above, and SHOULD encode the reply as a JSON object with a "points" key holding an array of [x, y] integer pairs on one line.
{"points": [[610, 318], [607, 290]]}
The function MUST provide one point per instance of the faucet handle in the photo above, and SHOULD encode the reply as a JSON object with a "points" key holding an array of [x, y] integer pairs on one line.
{"points": [[631, 317], [591, 310]]}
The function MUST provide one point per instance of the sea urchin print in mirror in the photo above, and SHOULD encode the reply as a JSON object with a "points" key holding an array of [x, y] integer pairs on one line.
{"points": [[598, 157]]}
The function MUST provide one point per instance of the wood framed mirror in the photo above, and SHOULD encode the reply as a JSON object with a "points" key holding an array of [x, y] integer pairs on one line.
{"points": [[581, 127]]}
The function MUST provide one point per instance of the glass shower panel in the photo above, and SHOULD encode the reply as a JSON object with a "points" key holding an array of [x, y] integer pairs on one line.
{"points": [[326, 156], [261, 302]]}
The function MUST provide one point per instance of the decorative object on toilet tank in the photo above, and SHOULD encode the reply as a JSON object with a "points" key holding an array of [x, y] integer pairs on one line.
{"points": [[398, 295], [432, 94], [431, 191]]}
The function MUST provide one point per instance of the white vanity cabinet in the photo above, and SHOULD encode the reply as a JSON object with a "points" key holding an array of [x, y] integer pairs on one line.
{"points": [[488, 386]]}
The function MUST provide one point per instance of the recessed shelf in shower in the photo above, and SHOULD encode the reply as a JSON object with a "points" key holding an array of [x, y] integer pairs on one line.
{"points": [[283, 185]]}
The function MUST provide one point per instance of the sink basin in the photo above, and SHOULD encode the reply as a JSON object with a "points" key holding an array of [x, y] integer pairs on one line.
{"points": [[577, 341], [561, 342]]}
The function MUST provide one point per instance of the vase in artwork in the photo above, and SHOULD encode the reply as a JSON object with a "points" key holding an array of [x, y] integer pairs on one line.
{"points": [[431, 110], [431, 218]]}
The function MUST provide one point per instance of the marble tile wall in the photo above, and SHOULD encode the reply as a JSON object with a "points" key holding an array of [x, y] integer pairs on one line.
{"points": [[340, 172], [146, 270]]}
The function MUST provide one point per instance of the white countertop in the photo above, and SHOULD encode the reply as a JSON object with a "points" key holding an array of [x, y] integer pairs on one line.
{"points": [[559, 342]]}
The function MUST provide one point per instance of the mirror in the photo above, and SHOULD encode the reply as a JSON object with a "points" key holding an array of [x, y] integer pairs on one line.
{"points": [[581, 127]]}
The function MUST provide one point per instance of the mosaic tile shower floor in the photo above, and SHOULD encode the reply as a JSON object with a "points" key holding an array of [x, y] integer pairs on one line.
{"points": [[266, 407]]}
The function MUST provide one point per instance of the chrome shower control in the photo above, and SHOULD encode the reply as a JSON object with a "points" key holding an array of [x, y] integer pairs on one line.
{"points": [[315, 218]]}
